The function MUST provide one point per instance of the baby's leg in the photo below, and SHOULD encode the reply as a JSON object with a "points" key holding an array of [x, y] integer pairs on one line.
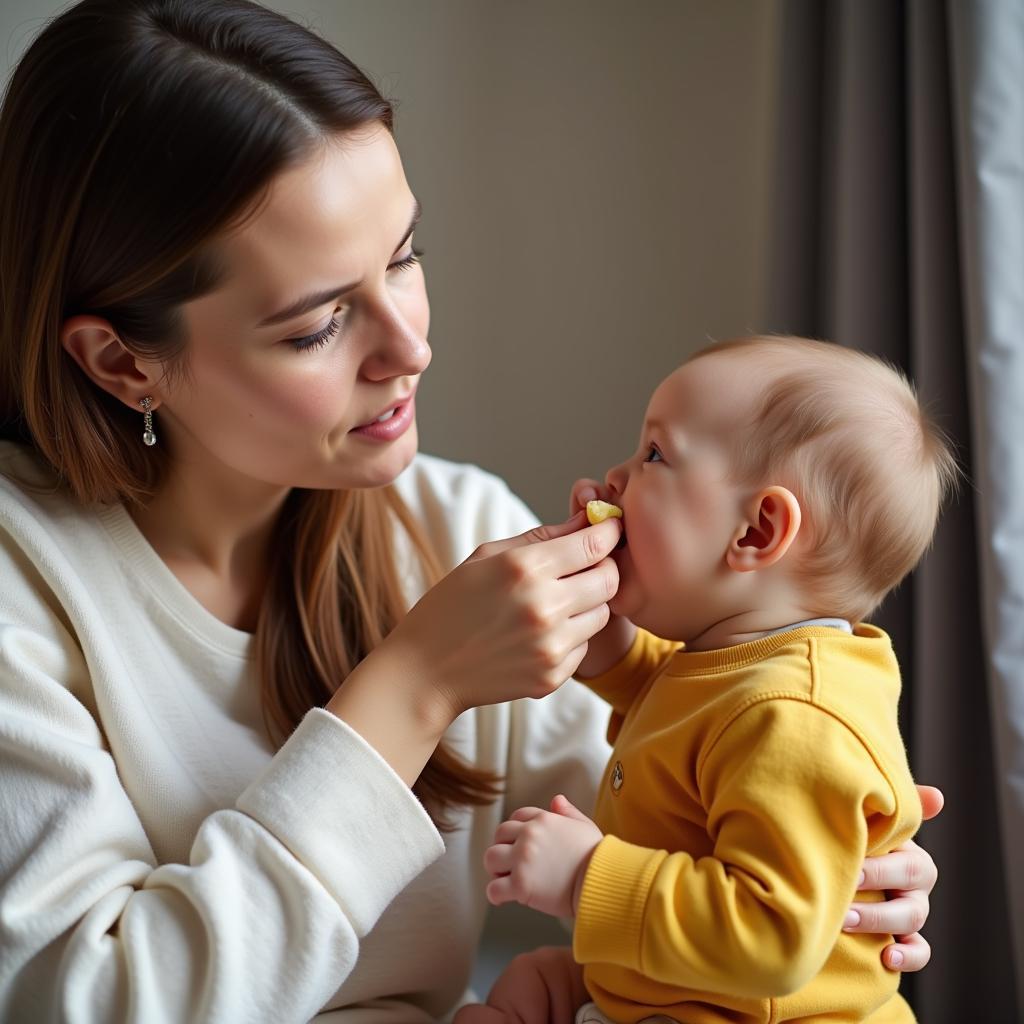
{"points": [[544, 986]]}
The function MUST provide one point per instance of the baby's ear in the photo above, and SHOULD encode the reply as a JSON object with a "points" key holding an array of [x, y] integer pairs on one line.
{"points": [[764, 537]]}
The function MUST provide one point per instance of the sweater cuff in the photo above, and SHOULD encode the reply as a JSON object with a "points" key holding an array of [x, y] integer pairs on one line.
{"points": [[610, 916], [342, 811]]}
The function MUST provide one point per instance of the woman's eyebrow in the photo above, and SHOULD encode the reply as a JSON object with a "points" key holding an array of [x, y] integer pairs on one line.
{"points": [[317, 299]]}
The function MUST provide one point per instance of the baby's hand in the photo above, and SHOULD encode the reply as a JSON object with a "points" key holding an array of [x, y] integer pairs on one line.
{"points": [[585, 490], [539, 858]]}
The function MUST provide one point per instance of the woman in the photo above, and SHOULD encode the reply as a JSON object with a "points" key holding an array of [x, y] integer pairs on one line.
{"points": [[213, 327]]}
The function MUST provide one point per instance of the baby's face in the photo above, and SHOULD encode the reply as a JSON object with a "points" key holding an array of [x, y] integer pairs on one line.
{"points": [[681, 507]]}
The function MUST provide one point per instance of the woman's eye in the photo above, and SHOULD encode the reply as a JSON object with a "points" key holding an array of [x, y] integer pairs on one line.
{"points": [[653, 455], [312, 341], [409, 261]]}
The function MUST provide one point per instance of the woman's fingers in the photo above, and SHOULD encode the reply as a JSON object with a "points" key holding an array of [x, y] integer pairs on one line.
{"points": [[932, 801], [571, 662], [902, 915], [568, 554], [538, 535], [908, 867], [591, 588], [910, 953]]}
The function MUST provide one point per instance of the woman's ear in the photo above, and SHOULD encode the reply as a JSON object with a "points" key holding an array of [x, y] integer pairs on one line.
{"points": [[93, 343], [766, 536]]}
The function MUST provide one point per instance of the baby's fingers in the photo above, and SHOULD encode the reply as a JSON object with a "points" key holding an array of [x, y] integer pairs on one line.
{"points": [[500, 890], [527, 813], [583, 491], [507, 832], [498, 860]]}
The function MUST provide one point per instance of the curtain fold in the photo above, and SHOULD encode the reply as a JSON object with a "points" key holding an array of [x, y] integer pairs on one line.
{"points": [[867, 249], [988, 77]]}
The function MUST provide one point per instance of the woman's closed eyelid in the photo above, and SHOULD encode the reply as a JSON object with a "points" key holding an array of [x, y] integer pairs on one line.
{"points": [[317, 338], [320, 337]]}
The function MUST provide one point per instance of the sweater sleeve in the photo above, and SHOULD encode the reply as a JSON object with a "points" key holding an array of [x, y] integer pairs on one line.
{"points": [[263, 922], [622, 683], [790, 791]]}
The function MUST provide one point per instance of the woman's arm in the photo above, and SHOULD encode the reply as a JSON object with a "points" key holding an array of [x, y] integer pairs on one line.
{"points": [[264, 918], [511, 621]]}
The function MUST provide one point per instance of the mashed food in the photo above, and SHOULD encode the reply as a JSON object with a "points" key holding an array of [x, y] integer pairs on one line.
{"points": [[599, 511]]}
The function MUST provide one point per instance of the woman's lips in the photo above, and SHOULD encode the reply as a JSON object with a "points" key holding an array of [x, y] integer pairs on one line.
{"points": [[390, 429]]}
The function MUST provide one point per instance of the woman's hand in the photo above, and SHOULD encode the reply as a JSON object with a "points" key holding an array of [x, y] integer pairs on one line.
{"points": [[908, 874], [611, 645], [514, 619]]}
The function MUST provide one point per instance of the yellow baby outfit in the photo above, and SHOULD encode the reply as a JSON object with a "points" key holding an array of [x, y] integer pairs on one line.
{"points": [[745, 788]]}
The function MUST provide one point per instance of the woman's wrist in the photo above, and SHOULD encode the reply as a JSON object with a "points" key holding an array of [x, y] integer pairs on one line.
{"points": [[387, 702]]}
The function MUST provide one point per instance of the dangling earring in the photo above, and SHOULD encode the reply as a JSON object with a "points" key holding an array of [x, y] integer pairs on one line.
{"points": [[148, 437]]}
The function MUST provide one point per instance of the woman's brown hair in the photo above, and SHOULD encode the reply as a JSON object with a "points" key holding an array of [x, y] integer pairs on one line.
{"points": [[132, 132]]}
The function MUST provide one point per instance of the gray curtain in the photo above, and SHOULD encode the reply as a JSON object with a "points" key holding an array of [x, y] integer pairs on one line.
{"points": [[880, 240]]}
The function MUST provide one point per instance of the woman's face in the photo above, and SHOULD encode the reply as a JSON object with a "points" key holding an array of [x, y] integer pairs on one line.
{"points": [[302, 365]]}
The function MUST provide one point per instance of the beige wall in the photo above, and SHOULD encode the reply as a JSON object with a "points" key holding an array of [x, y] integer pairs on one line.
{"points": [[594, 181]]}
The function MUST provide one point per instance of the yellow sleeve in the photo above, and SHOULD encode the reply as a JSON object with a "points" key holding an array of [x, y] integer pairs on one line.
{"points": [[620, 685], [789, 789]]}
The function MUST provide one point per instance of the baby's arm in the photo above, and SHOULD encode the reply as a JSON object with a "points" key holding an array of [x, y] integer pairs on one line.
{"points": [[545, 984], [787, 786]]}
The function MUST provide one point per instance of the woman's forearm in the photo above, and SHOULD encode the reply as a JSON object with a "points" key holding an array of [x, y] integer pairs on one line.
{"points": [[402, 719]]}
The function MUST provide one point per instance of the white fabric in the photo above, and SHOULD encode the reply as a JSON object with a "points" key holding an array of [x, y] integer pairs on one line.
{"points": [[159, 863], [988, 80], [844, 624], [589, 1013]]}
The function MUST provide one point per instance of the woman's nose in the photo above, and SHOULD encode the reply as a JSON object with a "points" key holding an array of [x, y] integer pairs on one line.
{"points": [[398, 348]]}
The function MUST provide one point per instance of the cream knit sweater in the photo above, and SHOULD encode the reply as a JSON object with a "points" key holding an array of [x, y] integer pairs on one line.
{"points": [[158, 862]]}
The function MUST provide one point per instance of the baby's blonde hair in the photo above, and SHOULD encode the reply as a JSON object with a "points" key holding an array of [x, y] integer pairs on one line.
{"points": [[845, 432]]}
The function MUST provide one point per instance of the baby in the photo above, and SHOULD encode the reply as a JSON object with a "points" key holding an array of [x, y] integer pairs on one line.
{"points": [[782, 487]]}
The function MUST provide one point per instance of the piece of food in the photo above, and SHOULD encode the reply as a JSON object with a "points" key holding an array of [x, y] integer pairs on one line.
{"points": [[599, 511]]}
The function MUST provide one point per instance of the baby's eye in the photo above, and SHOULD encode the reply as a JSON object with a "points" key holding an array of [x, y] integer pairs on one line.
{"points": [[653, 455]]}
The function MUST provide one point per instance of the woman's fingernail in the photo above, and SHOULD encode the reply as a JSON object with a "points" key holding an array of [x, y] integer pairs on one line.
{"points": [[860, 879], [895, 958], [587, 494], [852, 919]]}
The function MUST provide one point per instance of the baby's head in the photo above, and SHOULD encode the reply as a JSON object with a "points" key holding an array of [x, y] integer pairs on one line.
{"points": [[776, 473]]}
